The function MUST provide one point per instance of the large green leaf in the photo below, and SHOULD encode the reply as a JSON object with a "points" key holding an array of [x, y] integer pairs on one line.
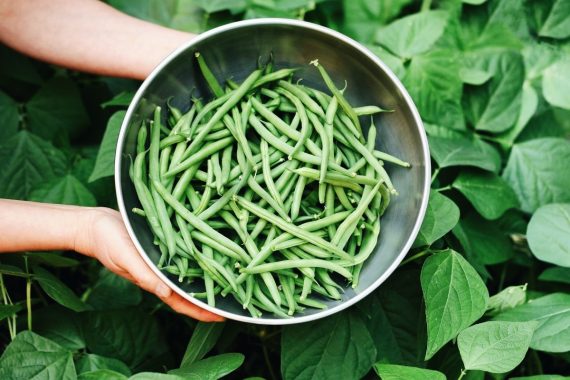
{"points": [[461, 151], [105, 163], [535, 172], [92, 362], [494, 346], [400, 372], [336, 347], [455, 297], [65, 190], [9, 310], [441, 216], [212, 368], [9, 117], [483, 240], [203, 339], [394, 317], [556, 83], [556, 274], [57, 107], [128, 335], [557, 23], [529, 104], [58, 291], [433, 81], [362, 17], [61, 325], [553, 314], [30, 356], [548, 234], [98, 374], [414, 34], [113, 292], [26, 161], [495, 106], [488, 193]]}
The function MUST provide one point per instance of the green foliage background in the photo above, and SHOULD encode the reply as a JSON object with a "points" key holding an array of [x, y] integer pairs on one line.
{"points": [[484, 293]]}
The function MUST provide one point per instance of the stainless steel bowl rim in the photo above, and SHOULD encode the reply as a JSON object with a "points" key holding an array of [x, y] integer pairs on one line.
{"points": [[296, 23]]}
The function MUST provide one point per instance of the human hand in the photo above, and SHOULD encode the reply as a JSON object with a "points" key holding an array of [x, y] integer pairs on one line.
{"points": [[103, 236]]}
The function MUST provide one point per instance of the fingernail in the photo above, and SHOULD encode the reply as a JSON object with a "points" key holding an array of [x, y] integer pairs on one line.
{"points": [[162, 290]]}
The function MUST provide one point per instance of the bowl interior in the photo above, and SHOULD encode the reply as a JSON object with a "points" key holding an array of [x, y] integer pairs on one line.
{"points": [[233, 52]]}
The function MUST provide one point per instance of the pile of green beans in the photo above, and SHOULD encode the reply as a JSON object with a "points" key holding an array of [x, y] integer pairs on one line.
{"points": [[270, 192]]}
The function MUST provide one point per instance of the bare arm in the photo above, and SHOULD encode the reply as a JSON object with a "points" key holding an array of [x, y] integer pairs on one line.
{"points": [[86, 35], [96, 232]]}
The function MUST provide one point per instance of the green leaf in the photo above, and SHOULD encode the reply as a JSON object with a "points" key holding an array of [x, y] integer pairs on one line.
{"points": [[458, 151], [122, 99], [541, 377], [474, 2], [506, 299], [556, 274], [60, 325], [557, 23], [553, 314], [394, 63], [57, 290], [9, 117], [362, 17], [57, 107], [556, 83], [30, 356], [336, 347], [203, 339], [483, 241], [400, 372], [474, 76], [414, 34], [494, 106], [394, 317], [128, 335], [212, 368], [488, 193], [529, 104], [496, 347], [106, 374], [105, 163], [535, 172], [9, 310], [111, 291], [548, 234], [64, 190], [158, 376], [441, 216], [433, 81], [26, 161], [92, 362], [455, 297]]}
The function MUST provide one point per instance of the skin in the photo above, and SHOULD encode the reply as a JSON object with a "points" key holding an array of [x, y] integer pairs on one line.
{"points": [[89, 36]]}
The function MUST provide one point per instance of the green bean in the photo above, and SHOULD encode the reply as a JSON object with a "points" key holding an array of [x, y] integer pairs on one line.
{"points": [[303, 97], [209, 76], [335, 181], [298, 196], [338, 95], [205, 152], [218, 135], [329, 209], [266, 303], [141, 138], [288, 286], [306, 289], [266, 168], [219, 247], [293, 242], [206, 196], [192, 196], [369, 110], [218, 180], [305, 126], [274, 77], [389, 158]]}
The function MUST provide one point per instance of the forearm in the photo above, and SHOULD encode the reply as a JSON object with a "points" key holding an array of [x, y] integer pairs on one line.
{"points": [[31, 226], [86, 35]]}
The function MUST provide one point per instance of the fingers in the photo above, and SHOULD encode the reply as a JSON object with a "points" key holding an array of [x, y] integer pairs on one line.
{"points": [[148, 280]]}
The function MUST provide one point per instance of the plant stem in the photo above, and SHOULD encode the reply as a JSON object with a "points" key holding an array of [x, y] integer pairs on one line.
{"points": [[463, 373], [415, 257], [268, 362], [445, 188], [28, 294], [426, 4], [434, 175], [6, 299]]}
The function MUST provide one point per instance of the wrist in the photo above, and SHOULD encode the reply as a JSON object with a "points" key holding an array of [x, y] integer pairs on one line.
{"points": [[83, 239]]}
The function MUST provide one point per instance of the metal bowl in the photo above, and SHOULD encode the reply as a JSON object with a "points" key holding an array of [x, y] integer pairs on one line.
{"points": [[232, 51]]}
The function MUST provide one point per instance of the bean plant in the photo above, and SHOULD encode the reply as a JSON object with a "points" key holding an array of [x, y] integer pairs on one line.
{"points": [[484, 293]]}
